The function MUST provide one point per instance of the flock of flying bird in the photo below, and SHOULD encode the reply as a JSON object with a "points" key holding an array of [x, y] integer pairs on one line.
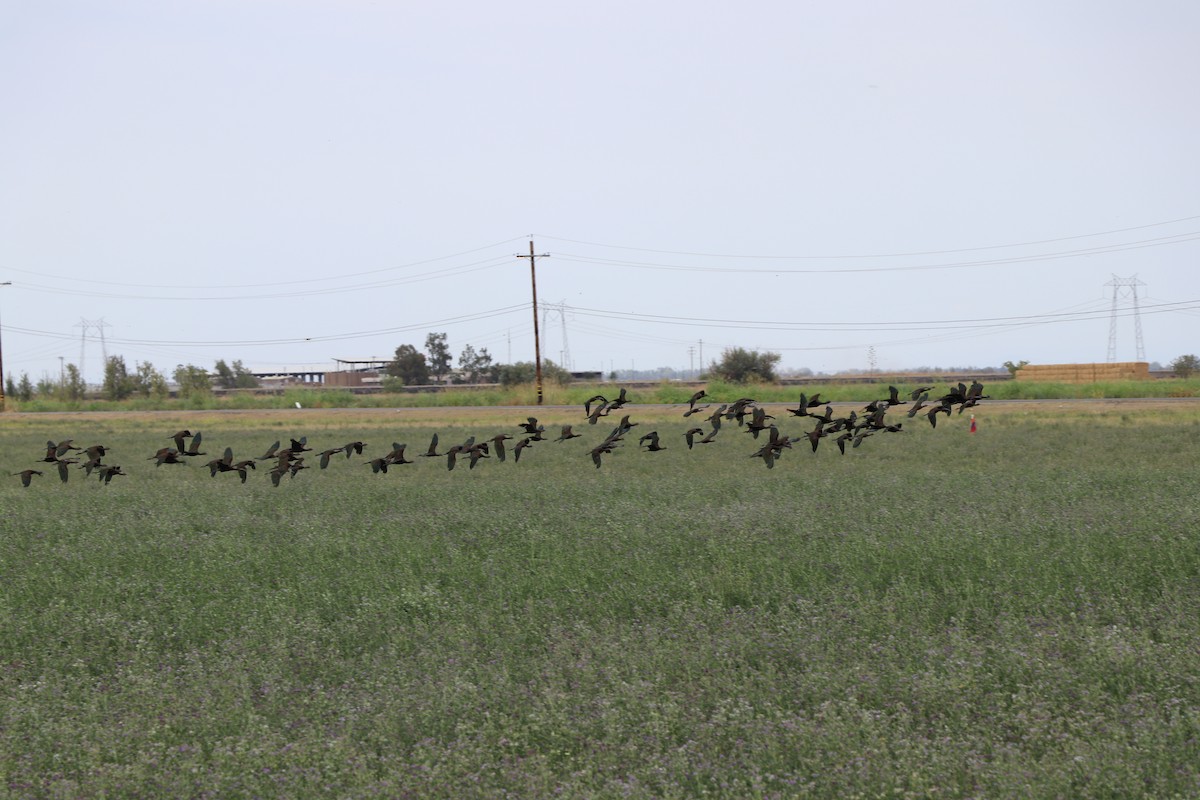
{"points": [[851, 429]]}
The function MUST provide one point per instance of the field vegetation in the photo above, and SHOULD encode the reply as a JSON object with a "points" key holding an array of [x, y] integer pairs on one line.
{"points": [[1009, 613], [668, 392]]}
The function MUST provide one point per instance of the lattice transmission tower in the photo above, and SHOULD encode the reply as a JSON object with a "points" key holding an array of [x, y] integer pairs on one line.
{"points": [[84, 325], [1125, 293], [564, 355]]}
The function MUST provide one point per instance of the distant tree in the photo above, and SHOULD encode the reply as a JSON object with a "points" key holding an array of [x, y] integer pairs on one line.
{"points": [[524, 372], [118, 383], [439, 355], [10, 386], [73, 386], [192, 380], [24, 388], [47, 387], [1012, 368], [409, 365], [475, 366], [148, 381], [739, 365], [235, 377], [243, 378], [224, 374], [1184, 366]]}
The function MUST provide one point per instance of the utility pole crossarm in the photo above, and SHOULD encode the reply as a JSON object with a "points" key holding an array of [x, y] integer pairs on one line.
{"points": [[537, 343]]}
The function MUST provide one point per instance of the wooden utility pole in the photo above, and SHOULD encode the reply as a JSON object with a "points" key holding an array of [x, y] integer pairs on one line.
{"points": [[537, 342]]}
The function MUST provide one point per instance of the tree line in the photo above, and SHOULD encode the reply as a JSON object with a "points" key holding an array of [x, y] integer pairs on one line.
{"points": [[121, 382], [433, 365]]}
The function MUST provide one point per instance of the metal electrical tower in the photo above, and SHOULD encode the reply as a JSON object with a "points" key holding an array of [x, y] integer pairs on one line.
{"points": [[84, 325], [564, 355], [1125, 289]]}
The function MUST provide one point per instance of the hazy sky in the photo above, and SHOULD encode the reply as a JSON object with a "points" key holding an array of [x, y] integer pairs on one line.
{"points": [[286, 182]]}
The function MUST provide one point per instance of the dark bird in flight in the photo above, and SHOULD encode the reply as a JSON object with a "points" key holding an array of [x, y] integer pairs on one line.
{"points": [[521, 445], [531, 426], [653, 446], [593, 414], [716, 416], [225, 464], [64, 471], [270, 455], [193, 448], [89, 465], [396, 457], [57, 451], [767, 454], [222, 464], [739, 409], [325, 455], [567, 433], [179, 436], [477, 452], [918, 404], [498, 444], [166, 455], [758, 421], [816, 434], [353, 448], [27, 476], [623, 427], [290, 467], [607, 446], [432, 451], [467, 448], [805, 405], [941, 408], [108, 471], [691, 434], [96, 451]]}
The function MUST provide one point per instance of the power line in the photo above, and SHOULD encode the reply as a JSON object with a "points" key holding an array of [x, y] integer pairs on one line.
{"points": [[1053, 256], [296, 340], [743, 256], [901, 325], [337, 276], [449, 272]]}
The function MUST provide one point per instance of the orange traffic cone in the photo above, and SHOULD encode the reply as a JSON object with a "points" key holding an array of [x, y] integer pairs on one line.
{"points": [[972, 423]]}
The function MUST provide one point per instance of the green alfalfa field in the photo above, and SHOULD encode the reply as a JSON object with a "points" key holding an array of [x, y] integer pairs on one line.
{"points": [[1009, 613]]}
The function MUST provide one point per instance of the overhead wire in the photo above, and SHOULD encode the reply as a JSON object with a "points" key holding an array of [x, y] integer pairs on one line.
{"points": [[339, 276], [743, 256], [860, 326], [1025, 259], [293, 340], [444, 273]]}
